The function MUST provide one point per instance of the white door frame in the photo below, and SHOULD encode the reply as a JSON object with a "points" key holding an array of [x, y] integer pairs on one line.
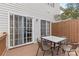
{"points": [[8, 41], [46, 26]]}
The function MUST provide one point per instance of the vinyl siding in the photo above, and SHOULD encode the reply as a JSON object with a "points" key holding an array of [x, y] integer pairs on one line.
{"points": [[37, 10]]}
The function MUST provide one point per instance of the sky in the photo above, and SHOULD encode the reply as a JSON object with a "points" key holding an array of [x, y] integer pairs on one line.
{"points": [[63, 5]]}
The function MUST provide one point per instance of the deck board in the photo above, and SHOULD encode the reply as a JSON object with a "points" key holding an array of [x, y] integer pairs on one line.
{"points": [[30, 50]]}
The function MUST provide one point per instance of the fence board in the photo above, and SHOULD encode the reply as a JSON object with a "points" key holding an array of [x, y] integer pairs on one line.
{"points": [[69, 29]]}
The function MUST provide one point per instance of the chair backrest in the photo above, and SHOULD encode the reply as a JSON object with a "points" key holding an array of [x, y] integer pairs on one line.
{"points": [[41, 43], [67, 42], [74, 45]]}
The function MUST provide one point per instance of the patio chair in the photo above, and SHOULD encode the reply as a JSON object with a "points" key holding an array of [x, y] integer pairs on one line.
{"points": [[54, 46], [43, 46], [69, 47], [58, 45]]}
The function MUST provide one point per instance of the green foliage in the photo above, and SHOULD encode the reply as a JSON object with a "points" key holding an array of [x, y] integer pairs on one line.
{"points": [[72, 11]]}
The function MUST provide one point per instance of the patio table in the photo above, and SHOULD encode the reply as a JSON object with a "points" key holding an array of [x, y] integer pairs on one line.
{"points": [[55, 40]]}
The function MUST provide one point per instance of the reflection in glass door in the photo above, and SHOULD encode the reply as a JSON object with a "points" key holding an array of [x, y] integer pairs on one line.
{"points": [[25, 30], [20, 27], [16, 30], [11, 30], [20, 30], [29, 29]]}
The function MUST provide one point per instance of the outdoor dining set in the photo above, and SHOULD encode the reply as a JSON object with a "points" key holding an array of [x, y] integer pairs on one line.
{"points": [[52, 43]]}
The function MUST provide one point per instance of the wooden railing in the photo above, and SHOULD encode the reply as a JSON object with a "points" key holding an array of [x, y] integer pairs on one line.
{"points": [[69, 29], [2, 42]]}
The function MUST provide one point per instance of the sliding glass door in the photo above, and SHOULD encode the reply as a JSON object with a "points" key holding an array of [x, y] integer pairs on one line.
{"points": [[45, 28], [20, 30]]}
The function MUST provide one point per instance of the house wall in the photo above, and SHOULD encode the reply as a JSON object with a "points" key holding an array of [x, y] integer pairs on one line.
{"points": [[36, 10], [69, 29], [40, 10]]}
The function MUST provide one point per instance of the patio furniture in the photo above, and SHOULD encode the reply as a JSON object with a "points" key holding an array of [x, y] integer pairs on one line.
{"points": [[55, 40], [69, 47], [43, 46]]}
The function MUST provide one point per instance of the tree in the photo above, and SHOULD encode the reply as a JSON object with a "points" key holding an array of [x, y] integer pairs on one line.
{"points": [[71, 11]]}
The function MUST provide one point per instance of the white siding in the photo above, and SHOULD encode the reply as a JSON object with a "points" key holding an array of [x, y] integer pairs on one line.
{"points": [[41, 10]]}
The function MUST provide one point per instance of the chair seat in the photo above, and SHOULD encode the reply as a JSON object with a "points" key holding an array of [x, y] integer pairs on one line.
{"points": [[45, 47], [67, 47]]}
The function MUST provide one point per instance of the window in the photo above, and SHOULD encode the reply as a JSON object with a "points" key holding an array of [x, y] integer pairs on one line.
{"points": [[51, 4], [45, 28], [48, 28]]}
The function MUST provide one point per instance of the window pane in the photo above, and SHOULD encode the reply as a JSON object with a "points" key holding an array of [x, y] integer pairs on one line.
{"points": [[16, 30], [29, 29], [48, 28], [20, 29], [11, 30], [43, 28], [24, 29]]}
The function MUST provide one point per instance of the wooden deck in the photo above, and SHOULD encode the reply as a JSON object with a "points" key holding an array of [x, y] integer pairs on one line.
{"points": [[3, 36], [30, 50]]}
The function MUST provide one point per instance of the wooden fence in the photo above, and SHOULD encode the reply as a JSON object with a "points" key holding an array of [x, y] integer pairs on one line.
{"points": [[69, 29]]}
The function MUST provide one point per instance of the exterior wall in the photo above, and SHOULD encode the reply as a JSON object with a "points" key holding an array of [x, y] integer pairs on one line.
{"points": [[39, 10], [69, 29], [36, 10]]}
